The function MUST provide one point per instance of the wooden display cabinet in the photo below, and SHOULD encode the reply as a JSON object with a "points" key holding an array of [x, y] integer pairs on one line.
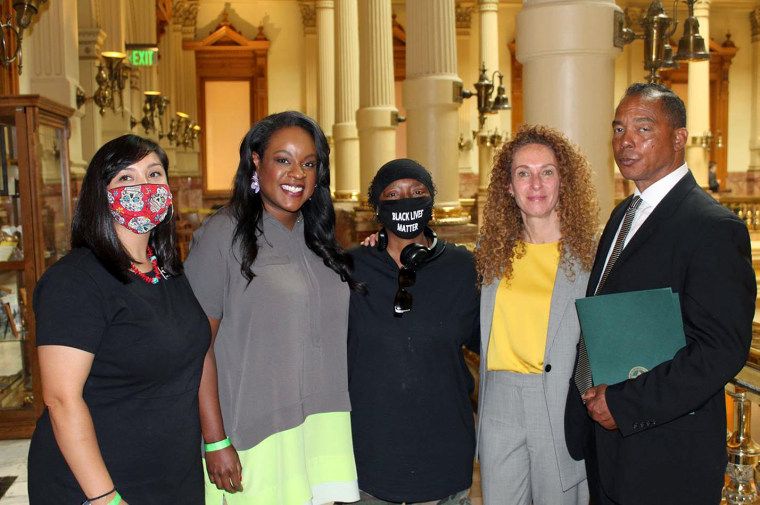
{"points": [[35, 217]]}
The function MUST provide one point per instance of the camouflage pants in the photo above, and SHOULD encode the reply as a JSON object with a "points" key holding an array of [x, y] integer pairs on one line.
{"points": [[460, 498]]}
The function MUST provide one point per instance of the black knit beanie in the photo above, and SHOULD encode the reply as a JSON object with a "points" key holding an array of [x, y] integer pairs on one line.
{"points": [[398, 169]]}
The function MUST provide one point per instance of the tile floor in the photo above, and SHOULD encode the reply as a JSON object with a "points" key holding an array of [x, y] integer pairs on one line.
{"points": [[13, 462]]}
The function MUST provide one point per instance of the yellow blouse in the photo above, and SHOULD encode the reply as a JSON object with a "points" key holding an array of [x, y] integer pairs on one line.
{"points": [[521, 311]]}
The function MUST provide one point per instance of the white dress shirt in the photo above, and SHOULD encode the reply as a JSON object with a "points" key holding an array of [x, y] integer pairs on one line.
{"points": [[650, 199]]}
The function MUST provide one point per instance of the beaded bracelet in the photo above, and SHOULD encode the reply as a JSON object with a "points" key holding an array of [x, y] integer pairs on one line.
{"points": [[218, 445]]}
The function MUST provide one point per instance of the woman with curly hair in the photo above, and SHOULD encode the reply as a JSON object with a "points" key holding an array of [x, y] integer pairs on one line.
{"points": [[536, 249]]}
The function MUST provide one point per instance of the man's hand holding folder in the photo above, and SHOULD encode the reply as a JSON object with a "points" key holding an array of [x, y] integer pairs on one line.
{"points": [[628, 334]]}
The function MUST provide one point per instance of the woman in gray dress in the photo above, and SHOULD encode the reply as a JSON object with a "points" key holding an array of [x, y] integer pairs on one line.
{"points": [[275, 286]]}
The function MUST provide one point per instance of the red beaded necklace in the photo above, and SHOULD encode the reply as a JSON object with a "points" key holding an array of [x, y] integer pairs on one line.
{"points": [[156, 270]]}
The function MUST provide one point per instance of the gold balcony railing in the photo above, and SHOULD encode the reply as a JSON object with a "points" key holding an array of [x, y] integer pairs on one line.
{"points": [[746, 207]]}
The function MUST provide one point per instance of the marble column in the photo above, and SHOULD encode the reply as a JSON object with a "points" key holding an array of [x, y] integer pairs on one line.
{"points": [[554, 50], [326, 73], [143, 13], [50, 59], [309, 19], [489, 55], [114, 14], [188, 159], [467, 64], [171, 78], [754, 125], [431, 101], [90, 43], [345, 134], [142, 30], [698, 101], [375, 118]]}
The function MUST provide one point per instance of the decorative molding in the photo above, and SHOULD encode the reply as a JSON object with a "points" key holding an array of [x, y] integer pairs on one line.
{"points": [[463, 16], [308, 17], [190, 15], [189, 21], [90, 42], [633, 17], [163, 17], [97, 12], [754, 21], [728, 42]]}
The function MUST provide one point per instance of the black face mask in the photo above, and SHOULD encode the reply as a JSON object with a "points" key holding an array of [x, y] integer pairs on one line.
{"points": [[406, 217]]}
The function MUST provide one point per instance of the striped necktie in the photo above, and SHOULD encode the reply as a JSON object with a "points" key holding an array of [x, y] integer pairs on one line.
{"points": [[582, 375]]}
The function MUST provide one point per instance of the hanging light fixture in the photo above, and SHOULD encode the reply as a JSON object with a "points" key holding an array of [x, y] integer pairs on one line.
{"points": [[658, 28], [691, 47], [25, 10]]}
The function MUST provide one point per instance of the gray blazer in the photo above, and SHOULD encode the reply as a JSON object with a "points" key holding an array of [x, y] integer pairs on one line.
{"points": [[559, 359]]}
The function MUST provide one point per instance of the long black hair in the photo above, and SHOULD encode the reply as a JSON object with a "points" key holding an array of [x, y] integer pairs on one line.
{"points": [[318, 214], [93, 224]]}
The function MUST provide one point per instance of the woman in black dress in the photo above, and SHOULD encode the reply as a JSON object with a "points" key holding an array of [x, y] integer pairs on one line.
{"points": [[121, 341]]}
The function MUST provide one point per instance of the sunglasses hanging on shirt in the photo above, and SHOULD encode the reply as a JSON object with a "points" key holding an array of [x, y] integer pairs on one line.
{"points": [[403, 299], [412, 257]]}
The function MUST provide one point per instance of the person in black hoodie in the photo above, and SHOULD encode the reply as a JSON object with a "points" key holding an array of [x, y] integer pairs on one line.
{"points": [[412, 420]]}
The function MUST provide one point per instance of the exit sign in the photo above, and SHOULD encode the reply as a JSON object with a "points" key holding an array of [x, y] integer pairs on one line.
{"points": [[142, 58]]}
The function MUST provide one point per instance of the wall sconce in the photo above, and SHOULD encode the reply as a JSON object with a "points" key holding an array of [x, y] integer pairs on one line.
{"points": [[24, 12], [112, 79], [658, 28], [191, 135], [183, 131], [491, 139], [484, 90], [719, 139], [464, 145], [154, 108], [704, 141]]}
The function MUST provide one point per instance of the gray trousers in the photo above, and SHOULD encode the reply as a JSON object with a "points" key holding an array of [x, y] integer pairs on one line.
{"points": [[518, 462]]}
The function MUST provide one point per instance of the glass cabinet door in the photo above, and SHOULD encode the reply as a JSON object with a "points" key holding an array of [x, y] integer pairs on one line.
{"points": [[53, 185], [15, 349], [35, 221]]}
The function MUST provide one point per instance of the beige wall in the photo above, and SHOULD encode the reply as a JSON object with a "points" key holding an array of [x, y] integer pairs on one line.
{"points": [[740, 83]]}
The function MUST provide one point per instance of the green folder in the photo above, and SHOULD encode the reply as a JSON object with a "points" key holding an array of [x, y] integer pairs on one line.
{"points": [[630, 333]]}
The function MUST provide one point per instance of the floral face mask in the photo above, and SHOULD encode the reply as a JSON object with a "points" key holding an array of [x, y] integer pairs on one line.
{"points": [[140, 208]]}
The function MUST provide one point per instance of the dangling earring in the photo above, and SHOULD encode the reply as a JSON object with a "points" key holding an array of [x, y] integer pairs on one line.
{"points": [[255, 183]]}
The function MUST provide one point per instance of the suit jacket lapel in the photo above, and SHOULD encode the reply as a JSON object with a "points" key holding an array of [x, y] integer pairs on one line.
{"points": [[663, 211], [488, 299], [605, 243], [561, 297]]}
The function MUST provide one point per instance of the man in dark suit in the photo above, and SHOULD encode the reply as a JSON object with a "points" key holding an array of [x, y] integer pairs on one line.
{"points": [[660, 438]]}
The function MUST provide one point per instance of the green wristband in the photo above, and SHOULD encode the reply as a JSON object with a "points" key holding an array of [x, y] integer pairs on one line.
{"points": [[218, 445], [116, 499]]}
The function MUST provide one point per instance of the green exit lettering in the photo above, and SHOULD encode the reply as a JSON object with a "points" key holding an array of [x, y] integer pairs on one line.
{"points": [[142, 58]]}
